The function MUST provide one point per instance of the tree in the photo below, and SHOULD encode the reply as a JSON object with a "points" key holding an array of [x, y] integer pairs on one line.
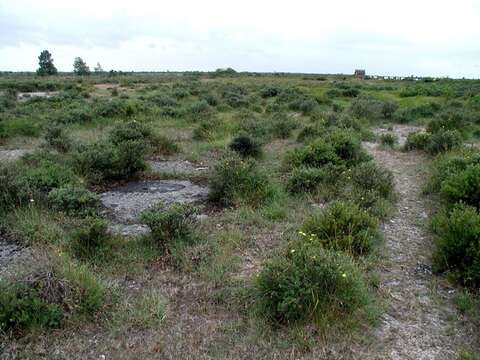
{"points": [[45, 62], [80, 67], [98, 68]]}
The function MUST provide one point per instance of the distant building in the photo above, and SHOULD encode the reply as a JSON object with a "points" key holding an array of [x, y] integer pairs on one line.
{"points": [[359, 74]]}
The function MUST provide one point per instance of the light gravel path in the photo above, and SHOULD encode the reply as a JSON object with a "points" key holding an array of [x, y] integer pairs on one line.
{"points": [[420, 321]]}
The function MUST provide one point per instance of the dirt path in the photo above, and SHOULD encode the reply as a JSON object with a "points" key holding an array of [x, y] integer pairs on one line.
{"points": [[420, 322]]}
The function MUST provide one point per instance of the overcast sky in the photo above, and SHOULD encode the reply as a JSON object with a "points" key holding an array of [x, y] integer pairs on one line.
{"points": [[389, 37]]}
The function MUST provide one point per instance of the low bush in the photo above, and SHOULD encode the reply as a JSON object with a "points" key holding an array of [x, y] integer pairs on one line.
{"points": [[22, 308], [282, 125], [458, 244], [442, 141], [316, 154], [56, 138], [417, 141], [343, 226], [245, 146], [170, 225], [103, 161], [389, 139], [367, 108], [463, 186], [74, 200], [235, 181], [372, 177], [305, 179], [91, 239], [309, 283]]}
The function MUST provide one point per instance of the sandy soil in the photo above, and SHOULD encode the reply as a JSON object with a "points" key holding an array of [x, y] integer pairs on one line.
{"points": [[420, 322]]}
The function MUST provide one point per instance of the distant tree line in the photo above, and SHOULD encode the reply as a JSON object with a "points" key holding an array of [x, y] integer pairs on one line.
{"points": [[80, 67]]}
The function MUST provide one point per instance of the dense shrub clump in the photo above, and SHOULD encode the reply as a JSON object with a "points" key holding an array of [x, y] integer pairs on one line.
{"points": [[91, 239], [308, 282], [74, 200], [170, 225], [246, 146], [458, 244], [235, 181], [343, 226]]}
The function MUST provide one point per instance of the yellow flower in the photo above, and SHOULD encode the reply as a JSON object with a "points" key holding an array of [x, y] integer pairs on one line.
{"points": [[292, 251], [344, 275]]}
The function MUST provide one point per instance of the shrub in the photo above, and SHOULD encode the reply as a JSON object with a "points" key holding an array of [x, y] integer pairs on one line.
{"points": [[246, 146], [388, 109], [91, 239], [43, 174], [103, 160], [347, 146], [315, 155], [310, 283], [417, 141], [304, 179], [442, 141], [199, 108], [116, 107], [310, 132], [76, 115], [74, 200], [370, 176], [463, 186], [14, 188], [57, 139], [269, 91], [207, 129], [235, 181], [458, 244], [451, 164], [22, 308], [366, 107], [282, 126], [139, 132], [389, 139], [343, 226], [170, 225], [253, 127]]}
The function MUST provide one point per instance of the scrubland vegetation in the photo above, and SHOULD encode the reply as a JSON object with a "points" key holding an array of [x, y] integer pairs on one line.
{"points": [[286, 252]]}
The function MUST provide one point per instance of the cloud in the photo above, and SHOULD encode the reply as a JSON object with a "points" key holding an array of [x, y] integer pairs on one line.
{"points": [[423, 37]]}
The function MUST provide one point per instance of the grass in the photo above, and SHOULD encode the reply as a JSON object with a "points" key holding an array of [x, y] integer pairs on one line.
{"points": [[135, 289]]}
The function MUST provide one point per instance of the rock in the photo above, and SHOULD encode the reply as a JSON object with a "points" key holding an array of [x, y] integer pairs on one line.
{"points": [[174, 166]]}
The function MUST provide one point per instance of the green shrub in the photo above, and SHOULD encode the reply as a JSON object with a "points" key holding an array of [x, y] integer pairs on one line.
{"points": [[367, 108], [116, 107], [310, 283], [305, 179], [91, 239], [170, 225], [56, 138], [417, 141], [14, 188], [282, 126], [388, 109], [74, 200], [458, 244], [442, 141], [347, 146], [370, 176], [343, 226], [207, 129], [449, 165], [103, 161], [314, 155], [245, 146], [236, 181], [463, 186], [43, 174], [389, 139], [310, 132], [22, 308]]}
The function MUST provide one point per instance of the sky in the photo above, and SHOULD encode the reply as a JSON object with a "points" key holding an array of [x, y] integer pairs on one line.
{"points": [[385, 37]]}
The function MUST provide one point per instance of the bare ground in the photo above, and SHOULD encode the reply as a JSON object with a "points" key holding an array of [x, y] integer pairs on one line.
{"points": [[420, 322]]}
